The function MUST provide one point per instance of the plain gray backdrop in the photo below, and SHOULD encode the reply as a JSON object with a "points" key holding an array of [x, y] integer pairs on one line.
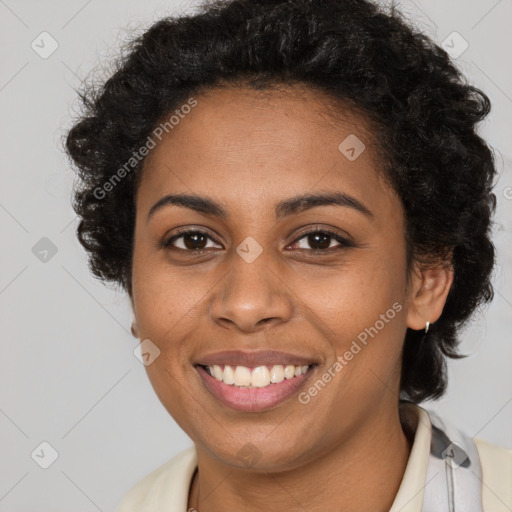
{"points": [[68, 374]]}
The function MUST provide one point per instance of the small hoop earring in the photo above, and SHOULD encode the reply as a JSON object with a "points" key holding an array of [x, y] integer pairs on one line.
{"points": [[427, 324]]}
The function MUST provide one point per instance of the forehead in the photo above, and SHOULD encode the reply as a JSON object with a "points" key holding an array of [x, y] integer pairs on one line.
{"points": [[244, 146]]}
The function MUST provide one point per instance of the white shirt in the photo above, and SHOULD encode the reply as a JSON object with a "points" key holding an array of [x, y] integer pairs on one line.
{"points": [[166, 489]]}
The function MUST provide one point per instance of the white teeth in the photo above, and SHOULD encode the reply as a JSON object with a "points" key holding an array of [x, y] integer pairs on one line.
{"points": [[229, 375], [242, 376], [289, 372], [259, 377], [277, 373], [217, 372]]}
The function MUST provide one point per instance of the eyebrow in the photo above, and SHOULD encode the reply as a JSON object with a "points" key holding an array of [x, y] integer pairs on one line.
{"points": [[283, 209]]}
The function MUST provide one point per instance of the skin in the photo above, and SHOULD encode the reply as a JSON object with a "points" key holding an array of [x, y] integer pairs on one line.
{"points": [[249, 151]]}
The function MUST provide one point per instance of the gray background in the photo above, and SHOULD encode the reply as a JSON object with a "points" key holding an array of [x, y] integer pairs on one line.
{"points": [[68, 373]]}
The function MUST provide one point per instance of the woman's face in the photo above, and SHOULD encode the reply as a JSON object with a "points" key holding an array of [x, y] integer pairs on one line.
{"points": [[253, 280]]}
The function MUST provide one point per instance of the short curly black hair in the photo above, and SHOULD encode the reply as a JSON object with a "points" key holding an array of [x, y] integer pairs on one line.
{"points": [[368, 56]]}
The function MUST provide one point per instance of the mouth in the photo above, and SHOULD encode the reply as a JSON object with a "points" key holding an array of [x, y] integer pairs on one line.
{"points": [[254, 388]]}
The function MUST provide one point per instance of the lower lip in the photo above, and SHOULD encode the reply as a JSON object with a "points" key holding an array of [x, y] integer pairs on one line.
{"points": [[253, 399]]}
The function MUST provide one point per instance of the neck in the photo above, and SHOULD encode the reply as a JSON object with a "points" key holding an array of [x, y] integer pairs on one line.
{"points": [[374, 458]]}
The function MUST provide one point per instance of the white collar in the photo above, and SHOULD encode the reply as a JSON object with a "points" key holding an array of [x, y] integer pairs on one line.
{"points": [[409, 497]]}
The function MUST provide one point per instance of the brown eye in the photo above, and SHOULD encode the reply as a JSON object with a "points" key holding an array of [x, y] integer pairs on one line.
{"points": [[319, 240], [322, 241], [194, 241]]}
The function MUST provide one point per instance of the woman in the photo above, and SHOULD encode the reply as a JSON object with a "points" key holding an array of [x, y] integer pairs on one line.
{"points": [[295, 198]]}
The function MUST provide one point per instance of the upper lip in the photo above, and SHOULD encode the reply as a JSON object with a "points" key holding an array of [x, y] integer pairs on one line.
{"points": [[253, 359]]}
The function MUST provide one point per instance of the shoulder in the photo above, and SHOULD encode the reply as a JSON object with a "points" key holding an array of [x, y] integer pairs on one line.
{"points": [[170, 481], [495, 478], [496, 463]]}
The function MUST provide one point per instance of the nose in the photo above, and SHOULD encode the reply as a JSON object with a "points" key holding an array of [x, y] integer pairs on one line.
{"points": [[252, 296]]}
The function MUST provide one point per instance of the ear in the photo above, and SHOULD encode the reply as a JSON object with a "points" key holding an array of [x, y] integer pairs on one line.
{"points": [[135, 328], [430, 289]]}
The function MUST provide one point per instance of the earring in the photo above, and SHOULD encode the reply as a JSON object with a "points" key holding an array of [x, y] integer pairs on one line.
{"points": [[427, 324]]}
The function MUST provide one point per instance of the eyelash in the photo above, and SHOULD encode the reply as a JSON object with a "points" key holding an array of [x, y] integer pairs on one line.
{"points": [[344, 243]]}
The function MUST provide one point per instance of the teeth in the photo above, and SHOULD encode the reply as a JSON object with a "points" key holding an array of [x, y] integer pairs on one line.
{"points": [[228, 376], [277, 373], [259, 377], [242, 376], [217, 372], [289, 372]]}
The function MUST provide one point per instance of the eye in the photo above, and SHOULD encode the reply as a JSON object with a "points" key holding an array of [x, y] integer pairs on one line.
{"points": [[321, 241], [318, 240], [189, 240]]}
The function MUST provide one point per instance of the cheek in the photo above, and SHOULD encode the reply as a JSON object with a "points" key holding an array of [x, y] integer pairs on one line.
{"points": [[361, 309], [171, 388], [353, 297], [164, 299]]}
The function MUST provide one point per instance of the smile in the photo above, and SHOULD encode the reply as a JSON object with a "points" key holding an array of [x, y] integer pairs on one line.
{"points": [[253, 389]]}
